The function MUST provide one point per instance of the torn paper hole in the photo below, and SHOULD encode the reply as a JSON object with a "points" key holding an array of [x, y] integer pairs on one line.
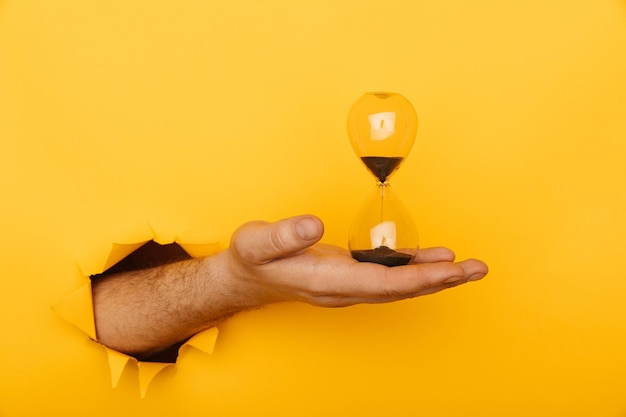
{"points": [[76, 307]]}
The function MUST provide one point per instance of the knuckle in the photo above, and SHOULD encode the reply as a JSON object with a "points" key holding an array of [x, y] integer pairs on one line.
{"points": [[278, 240], [389, 291], [388, 288], [241, 237]]}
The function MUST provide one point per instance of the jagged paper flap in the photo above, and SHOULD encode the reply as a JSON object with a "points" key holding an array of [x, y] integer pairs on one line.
{"points": [[117, 363], [77, 308], [203, 341], [120, 251], [147, 372], [200, 250]]}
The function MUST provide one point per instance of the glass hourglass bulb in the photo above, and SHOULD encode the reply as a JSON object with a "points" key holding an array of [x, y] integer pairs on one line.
{"points": [[382, 128]]}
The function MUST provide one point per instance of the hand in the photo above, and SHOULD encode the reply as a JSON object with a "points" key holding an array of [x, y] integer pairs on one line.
{"points": [[143, 312], [282, 261]]}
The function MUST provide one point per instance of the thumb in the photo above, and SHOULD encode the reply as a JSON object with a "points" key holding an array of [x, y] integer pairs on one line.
{"points": [[261, 242]]}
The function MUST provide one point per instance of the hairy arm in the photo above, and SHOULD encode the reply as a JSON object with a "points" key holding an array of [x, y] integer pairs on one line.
{"points": [[143, 312], [146, 311]]}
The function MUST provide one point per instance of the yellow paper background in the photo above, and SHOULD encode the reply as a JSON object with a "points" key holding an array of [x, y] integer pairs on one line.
{"points": [[126, 121]]}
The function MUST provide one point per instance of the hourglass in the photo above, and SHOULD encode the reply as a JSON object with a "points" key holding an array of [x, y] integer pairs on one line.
{"points": [[382, 128]]}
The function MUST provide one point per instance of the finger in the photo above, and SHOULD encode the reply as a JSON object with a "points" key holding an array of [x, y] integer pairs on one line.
{"points": [[474, 269], [436, 254], [261, 242], [429, 280], [427, 291], [379, 282]]}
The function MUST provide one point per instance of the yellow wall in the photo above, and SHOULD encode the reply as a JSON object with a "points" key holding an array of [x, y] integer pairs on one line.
{"points": [[127, 120]]}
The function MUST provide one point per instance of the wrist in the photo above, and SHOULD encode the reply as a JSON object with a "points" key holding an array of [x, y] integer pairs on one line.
{"points": [[225, 288]]}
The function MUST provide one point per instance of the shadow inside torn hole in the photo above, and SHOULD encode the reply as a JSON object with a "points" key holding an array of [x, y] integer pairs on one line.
{"points": [[150, 255]]}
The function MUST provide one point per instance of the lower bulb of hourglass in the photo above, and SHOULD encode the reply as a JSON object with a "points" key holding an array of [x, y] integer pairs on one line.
{"points": [[383, 231]]}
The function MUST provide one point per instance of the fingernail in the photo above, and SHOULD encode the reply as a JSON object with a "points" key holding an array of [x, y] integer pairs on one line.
{"points": [[476, 277], [307, 229], [453, 279]]}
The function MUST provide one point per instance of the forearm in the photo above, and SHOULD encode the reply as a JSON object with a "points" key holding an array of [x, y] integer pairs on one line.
{"points": [[143, 312]]}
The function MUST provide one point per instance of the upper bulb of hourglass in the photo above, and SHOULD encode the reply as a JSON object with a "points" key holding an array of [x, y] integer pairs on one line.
{"points": [[382, 128]]}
